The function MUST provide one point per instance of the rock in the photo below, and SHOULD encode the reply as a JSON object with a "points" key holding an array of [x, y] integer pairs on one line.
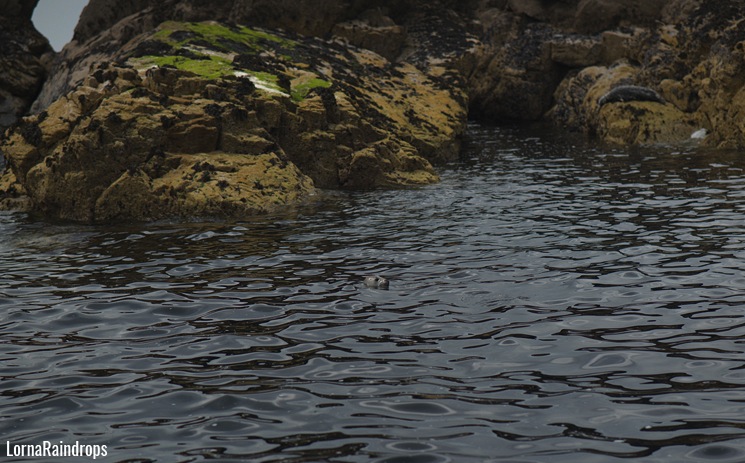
{"points": [[12, 194], [529, 59], [514, 79], [573, 105], [126, 152], [557, 13], [351, 95], [24, 57], [576, 51], [532, 8], [204, 185], [105, 26], [696, 63], [374, 31], [19, 9], [678, 11], [600, 101], [642, 122], [615, 46], [227, 121], [593, 16]]}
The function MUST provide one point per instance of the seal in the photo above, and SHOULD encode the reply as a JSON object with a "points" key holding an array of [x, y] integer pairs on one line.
{"points": [[624, 93], [376, 281]]}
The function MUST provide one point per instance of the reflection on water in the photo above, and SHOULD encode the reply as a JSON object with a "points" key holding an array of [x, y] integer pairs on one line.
{"points": [[549, 302]]}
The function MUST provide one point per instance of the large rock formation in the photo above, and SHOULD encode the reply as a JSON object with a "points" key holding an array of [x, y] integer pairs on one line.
{"points": [[693, 58], [107, 25], [394, 29], [555, 60], [211, 119], [24, 57], [529, 46]]}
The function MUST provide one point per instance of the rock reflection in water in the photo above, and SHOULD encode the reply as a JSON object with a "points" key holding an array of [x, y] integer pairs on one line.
{"points": [[553, 302]]}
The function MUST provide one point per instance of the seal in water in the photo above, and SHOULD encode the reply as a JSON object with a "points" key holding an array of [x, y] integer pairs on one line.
{"points": [[376, 281], [624, 93]]}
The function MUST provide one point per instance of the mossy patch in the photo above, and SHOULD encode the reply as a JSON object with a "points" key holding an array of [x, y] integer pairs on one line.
{"points": [[209, 49], [300, 89], [215, 67], [212, 68], [219, 36]]}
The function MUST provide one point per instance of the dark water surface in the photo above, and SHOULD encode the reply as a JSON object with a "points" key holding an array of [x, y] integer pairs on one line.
{"points": [[549, 302]]}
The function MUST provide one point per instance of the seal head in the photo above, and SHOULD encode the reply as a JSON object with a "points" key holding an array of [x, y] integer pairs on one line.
{"points": [[376, 281]]}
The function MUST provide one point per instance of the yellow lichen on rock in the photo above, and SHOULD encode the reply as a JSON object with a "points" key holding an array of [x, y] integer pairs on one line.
{"points": [[642, 122], [430, 117], [206, 185], [400, 167], [619, 122], [12, 194]]}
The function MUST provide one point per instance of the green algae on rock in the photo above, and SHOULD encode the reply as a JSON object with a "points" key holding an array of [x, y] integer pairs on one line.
{"points": [[302, 86]]}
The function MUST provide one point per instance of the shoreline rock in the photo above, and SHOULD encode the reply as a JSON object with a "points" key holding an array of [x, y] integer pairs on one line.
{"points": [[213, 119]]}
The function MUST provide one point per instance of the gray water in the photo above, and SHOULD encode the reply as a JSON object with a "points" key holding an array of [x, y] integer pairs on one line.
{"points": [[550, 301]]}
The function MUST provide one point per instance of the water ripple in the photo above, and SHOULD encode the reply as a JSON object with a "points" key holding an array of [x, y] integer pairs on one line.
{"points": [[549, 301]]}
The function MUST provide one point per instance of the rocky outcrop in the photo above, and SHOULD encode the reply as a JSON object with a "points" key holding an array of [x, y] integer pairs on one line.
{"points": [[122, 147], [703, 73], [554, 60], [209, 119], [107, 25], [394, 29], [584, 103], [694, 59], [351, 94], [528, 47], [24, 58], [590, 16]]}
